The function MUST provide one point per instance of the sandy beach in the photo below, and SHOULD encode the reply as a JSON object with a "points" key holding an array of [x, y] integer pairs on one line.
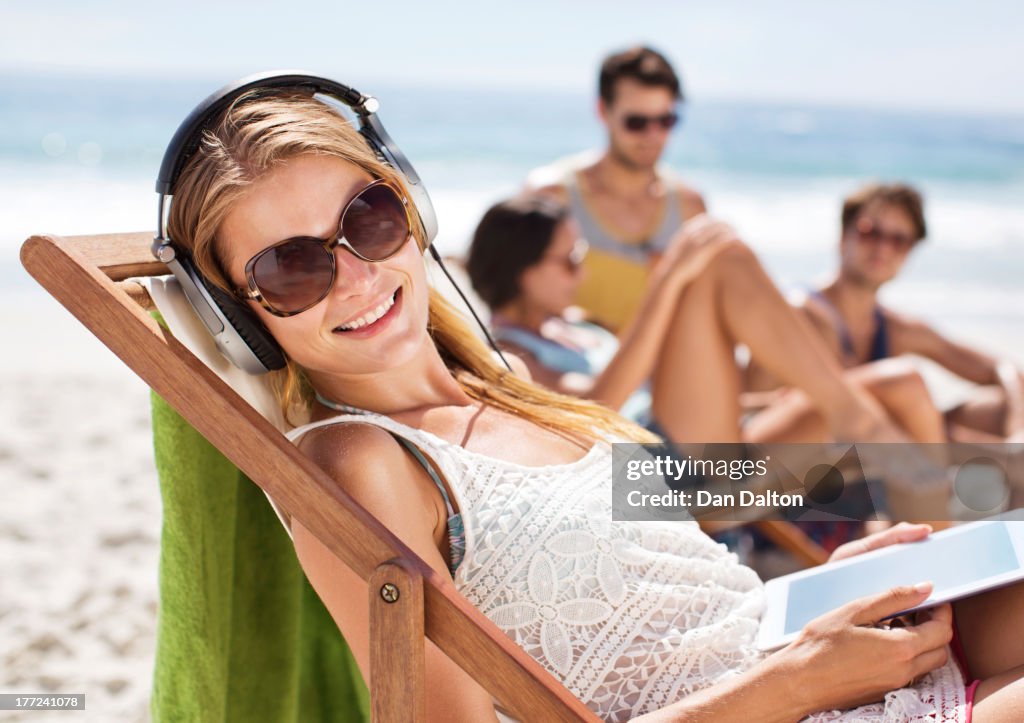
{"points": [[80, 523]]}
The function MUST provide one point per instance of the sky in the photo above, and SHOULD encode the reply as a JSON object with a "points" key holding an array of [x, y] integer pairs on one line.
{"points": [[914, 54]]}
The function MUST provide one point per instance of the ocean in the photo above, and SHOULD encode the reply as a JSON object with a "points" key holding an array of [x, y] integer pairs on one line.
{"points": [[80, 155]]}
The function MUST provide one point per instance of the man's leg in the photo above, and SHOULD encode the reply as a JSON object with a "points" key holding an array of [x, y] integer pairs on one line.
{"points": [[895, 383], [696, 384]]}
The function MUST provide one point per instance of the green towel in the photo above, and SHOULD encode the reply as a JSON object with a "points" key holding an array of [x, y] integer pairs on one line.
{"points": [[241, 635]]}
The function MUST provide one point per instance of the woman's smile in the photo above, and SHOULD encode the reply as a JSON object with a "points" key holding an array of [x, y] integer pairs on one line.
{"points": [[373, 321]]}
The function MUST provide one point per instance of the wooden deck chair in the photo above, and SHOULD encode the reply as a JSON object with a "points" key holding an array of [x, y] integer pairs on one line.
{"points": [[408, 599], [91, 276]]}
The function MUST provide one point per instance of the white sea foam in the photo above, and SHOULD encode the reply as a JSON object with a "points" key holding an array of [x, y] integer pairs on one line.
{"points": [[969, 268], [68, 200]]}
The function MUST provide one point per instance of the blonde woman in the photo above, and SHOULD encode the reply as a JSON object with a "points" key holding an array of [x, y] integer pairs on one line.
{"points": [[646, 622]]}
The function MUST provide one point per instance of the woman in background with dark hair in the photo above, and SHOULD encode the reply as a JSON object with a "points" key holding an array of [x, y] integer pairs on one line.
{"points": [[525, 264]]}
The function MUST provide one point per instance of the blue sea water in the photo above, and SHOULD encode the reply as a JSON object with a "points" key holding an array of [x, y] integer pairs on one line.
{"points": [[79, 155]]}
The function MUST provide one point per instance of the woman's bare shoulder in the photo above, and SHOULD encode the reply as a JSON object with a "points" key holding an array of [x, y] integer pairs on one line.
{"points": [[366, 461], [346, 442]]}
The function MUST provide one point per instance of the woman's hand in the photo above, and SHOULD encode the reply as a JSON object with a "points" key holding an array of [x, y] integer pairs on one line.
{"points": [[903, 532], [842, 659], [691, 249]]}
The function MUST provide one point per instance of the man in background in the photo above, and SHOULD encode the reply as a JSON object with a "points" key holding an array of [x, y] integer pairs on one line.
{"points": [[627, 205]]}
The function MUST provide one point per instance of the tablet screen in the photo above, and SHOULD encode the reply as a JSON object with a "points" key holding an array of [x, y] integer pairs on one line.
{"points": [[950, 561]]}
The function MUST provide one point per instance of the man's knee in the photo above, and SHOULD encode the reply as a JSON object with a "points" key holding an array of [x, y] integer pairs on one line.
{"points": [[731, 254]]}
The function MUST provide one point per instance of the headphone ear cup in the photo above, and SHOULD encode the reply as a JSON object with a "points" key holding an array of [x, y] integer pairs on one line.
{"points": [[263, 346], [239, 335]]}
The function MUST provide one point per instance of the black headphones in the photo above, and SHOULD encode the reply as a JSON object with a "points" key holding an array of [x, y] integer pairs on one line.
{"points": [[237, 332]]}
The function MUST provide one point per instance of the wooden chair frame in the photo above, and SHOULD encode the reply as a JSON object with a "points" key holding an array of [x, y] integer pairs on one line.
{"points": [[409, 600]]}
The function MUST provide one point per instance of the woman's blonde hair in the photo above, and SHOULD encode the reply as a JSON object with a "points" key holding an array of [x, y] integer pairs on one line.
{"points": [[263, 130]]}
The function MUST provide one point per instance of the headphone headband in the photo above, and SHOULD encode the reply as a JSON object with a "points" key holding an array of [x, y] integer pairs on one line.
{"points": [[187, 138]]}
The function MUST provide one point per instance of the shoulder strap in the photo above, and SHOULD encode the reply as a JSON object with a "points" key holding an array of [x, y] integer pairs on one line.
{"points": [[456, 529], [672, 217], [427, 466], [880, 343], [842, 330]]}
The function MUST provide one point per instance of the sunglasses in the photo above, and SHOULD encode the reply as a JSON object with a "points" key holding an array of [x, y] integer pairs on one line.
{"points": [[635, 123], [869, 232], [574, 260], [297, 273]]}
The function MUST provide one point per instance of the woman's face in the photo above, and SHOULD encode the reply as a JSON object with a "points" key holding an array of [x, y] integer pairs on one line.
{"points": [[305, 197], [551, 283]]}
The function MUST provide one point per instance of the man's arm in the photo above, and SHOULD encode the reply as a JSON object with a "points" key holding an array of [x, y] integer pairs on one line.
{"points": [[910, 336], [761, 386], [690, 201]]}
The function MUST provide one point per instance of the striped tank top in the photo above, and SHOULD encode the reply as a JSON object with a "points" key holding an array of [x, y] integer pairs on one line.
{"points": [[616, 267]]}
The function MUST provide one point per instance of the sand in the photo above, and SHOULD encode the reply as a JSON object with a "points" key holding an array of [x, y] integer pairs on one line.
{"points": [[79, 523]]}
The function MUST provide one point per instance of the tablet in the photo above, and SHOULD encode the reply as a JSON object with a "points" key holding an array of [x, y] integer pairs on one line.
{"points": [[959, 562]]}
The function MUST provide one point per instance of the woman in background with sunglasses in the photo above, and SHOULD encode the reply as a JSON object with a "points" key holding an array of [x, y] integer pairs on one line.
{"points": [[526, 263], [499, 483]]}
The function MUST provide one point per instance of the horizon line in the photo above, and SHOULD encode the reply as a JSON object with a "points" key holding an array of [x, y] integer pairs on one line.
{"points": [[512, 84]]}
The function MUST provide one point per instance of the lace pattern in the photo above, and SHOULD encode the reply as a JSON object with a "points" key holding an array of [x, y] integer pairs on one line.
{"points": [[630, 616], [939, 697]]}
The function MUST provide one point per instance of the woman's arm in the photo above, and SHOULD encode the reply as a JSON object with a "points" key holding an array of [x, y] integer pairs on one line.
{"points": [[371, 467], [976, 366], [527, 366], [839, 661], [1012, 382]]}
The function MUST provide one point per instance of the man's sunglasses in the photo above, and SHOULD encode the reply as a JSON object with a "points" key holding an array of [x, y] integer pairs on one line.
{"points": [[635, 123], [869, 232], [295, 274]]}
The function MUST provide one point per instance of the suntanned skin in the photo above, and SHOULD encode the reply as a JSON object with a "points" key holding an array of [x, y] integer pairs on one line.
{"points": [[397, 371], [622, 187], [994, 413]]}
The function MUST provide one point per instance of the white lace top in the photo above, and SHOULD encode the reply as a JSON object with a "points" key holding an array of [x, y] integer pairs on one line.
{"points": [[630, 616]]}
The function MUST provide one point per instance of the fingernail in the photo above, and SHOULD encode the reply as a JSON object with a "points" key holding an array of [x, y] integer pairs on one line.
{"points": [[923, 587]]}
